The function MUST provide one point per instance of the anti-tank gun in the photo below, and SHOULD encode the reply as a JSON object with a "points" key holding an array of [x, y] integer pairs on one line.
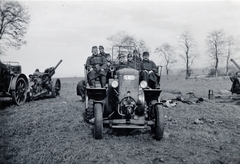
{"points": [[235, 79], [42, 84]]}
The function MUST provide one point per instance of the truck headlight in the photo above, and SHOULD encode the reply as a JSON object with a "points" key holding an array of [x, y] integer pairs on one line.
{"points": [[114, 84], [143, 84]]}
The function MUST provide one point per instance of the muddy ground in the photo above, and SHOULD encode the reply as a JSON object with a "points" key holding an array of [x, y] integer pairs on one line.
{"points": [[54, 131]]}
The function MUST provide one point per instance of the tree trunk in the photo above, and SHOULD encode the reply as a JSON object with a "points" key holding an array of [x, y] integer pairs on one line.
{"points": [[216, 68], [167, 71], [187, 69]]}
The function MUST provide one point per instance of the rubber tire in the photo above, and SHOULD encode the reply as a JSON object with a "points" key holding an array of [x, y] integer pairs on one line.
{"points": [[19, 95], [159, 122], [89, 111], [56, 87], [98, 121]]}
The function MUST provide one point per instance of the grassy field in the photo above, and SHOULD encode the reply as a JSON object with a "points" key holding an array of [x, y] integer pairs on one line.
{"points": [[54, 131]]}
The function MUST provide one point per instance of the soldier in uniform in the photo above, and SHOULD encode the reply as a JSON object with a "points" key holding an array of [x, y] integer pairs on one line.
{"points": [[149, 71], [81, 89], [37, 72], [132, 63], [122, 64], [235, 83], [96, 66], [136, 57], [101, 50]]}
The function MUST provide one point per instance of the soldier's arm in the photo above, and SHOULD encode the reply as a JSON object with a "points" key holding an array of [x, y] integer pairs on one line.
{"points": [[154, 67], [88, 65], [104, 63]]}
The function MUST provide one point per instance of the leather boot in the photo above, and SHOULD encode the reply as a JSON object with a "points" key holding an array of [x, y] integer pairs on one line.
{"points": [[92, 83], [103, 81]]}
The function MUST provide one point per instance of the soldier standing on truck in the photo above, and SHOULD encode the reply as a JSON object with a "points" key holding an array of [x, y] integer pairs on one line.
{"points": [[96, 66], [132, 63], [122, 63], [149, 72]]}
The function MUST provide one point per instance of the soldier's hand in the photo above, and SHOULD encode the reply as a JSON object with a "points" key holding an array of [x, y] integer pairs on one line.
{"points": [[102, 69], [150, 71], [90, 69]]}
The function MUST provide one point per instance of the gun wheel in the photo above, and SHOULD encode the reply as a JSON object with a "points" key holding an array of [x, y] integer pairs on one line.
{"points": [[98, 121], [19, 95], [56, 87]]}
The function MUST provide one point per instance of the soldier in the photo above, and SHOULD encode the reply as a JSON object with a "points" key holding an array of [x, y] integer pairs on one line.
{"points": [[235, 83], [109, 64], [37, 72], [122, 64], [149, 71], [81, 89], [96, 66], [132, 63], [101, 50]]}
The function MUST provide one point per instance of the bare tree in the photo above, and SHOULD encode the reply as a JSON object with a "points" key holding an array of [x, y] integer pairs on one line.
{"points": [[123, 39], [14, 20], [142, 47], [187, 44], [216, 44], [168, 53]]}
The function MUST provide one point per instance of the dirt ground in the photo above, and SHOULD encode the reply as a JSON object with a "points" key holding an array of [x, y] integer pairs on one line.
{"points": [[54, 131]]}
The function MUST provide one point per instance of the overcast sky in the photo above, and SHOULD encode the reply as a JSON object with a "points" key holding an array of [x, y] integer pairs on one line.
{"points": [[68, 29]]}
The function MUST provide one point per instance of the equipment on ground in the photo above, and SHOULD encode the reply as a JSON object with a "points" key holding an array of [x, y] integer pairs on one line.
{"points": [[42, 85]]}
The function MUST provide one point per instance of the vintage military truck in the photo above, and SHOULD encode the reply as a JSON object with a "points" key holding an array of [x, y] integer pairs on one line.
{"points": [[13, 83], [126, 102]]}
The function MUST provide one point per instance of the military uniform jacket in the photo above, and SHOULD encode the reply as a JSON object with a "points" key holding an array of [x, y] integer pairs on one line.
{"points": [[134, 65], [120, 66], [149, 65], [104, 54], [96, 61]]}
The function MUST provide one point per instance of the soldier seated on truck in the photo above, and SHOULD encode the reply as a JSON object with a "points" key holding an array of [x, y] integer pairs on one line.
{"points": [[149, 72], [96, 66]]}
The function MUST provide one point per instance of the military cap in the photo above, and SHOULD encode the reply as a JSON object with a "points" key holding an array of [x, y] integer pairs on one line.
{"points": [[146, 54], [121, 55], [106, 55], [101, 47], [129, 55], [94, 47]]}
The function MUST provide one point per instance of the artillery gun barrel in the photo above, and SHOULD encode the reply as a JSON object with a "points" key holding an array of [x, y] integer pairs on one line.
{"points": [[58, 64], [232, 60]]}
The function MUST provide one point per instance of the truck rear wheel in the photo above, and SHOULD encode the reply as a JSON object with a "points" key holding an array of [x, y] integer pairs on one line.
{"points": [[159, 122], [98, 120]]}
